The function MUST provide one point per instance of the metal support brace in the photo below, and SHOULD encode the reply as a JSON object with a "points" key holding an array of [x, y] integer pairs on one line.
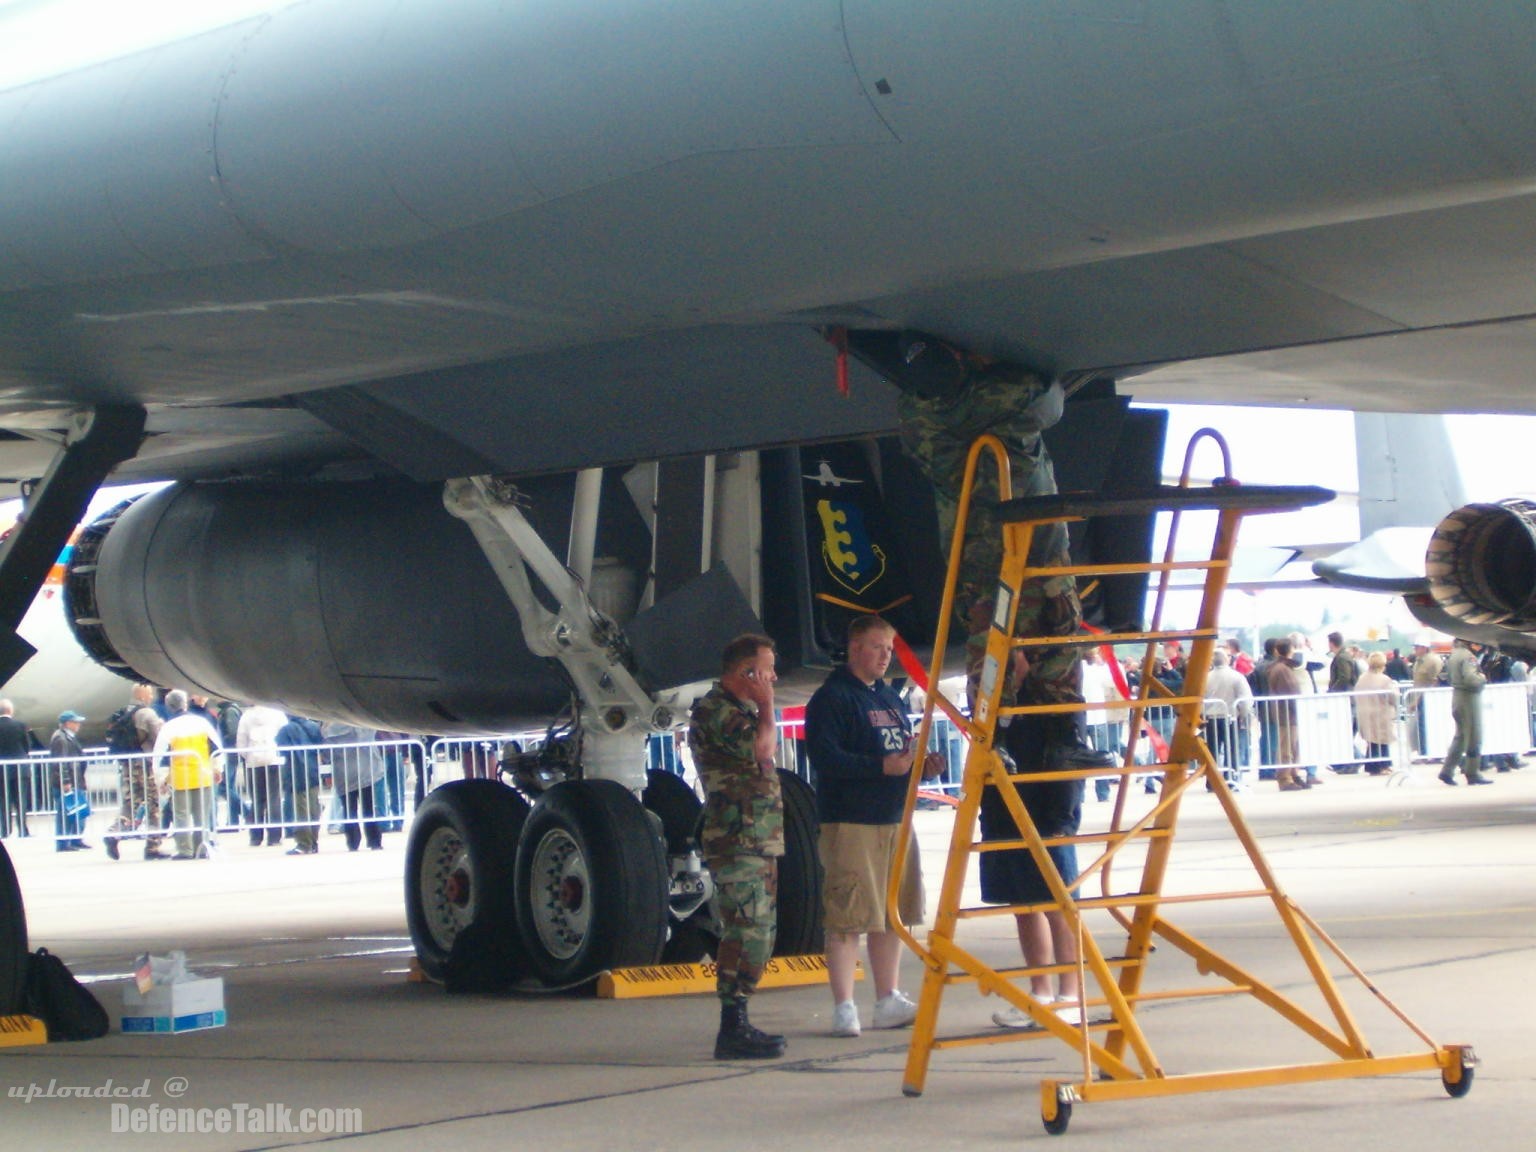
{"points": [[617, 715], [97, 440]]}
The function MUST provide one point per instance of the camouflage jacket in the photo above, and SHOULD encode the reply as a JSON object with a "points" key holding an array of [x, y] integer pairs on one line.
{"points": [[743, 807]]}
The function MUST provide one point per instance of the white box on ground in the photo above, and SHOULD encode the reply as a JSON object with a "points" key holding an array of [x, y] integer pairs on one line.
{"points": [[182, 1007]]}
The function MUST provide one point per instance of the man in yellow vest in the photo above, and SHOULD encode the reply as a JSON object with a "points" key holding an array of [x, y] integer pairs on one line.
{"points": [[192, 752]]}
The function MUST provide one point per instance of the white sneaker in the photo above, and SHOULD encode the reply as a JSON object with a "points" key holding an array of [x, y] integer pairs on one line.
{"points": [[1011, 1017], [895, 1011], [845, 1019], [1071, 1014]]}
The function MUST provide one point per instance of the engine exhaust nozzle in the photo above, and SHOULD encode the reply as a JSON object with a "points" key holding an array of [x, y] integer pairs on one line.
{"points": [[1481, 564]]}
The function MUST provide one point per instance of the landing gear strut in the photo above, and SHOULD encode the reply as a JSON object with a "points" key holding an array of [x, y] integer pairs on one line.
{"points": [[579, 881]]}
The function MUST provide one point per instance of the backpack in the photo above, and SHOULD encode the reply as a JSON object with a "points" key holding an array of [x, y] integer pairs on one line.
{"points": [[68, 1009], [122, 733]]}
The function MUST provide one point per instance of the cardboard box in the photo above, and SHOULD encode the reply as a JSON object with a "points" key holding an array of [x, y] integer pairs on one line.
{"points": [[183, 1007]]}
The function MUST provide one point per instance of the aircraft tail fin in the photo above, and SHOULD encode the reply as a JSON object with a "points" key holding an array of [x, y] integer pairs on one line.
{"points": [[1408, 474]]}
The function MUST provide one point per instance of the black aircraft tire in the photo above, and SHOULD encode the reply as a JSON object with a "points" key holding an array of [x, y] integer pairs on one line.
{"points": [[591, 883], [800, 873], [668, 795], [678, 807], [460, 869], [695, 940], [13, 938]]}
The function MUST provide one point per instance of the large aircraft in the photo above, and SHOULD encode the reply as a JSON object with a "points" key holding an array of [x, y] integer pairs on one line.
{"points": [[394, 290]]}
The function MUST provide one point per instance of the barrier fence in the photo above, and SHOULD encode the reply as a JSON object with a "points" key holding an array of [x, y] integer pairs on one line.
{"points": [[369, 784], [376, 786]]}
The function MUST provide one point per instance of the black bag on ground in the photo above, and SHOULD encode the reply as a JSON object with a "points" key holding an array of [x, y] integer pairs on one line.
{"points": [[67, 1007]]}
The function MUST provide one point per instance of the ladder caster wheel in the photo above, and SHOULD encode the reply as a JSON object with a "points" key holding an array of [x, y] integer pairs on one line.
{"points": [[1057, 1125], [1459, 1089]]}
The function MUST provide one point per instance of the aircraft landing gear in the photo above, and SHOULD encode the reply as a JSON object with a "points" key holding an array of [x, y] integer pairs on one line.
{"points": [[595, 880], [13, 938], [459, 867], [799, 928], [581, 882], [591, 882], [695, 934]]}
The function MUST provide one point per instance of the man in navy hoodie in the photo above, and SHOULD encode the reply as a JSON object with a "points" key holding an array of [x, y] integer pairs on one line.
{"points": [[860, 745]]}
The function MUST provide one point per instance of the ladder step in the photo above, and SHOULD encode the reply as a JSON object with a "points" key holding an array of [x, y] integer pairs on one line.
{"points": [[1011, 1035], [1152, 833], [963, 977], [1077, 706], [1127, 899], [1084, 640], [1086, 773], [1146, 567]]}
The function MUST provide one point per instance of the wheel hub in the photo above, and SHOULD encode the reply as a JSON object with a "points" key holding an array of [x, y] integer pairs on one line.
{"points": [[448, 894], [562, 914]]}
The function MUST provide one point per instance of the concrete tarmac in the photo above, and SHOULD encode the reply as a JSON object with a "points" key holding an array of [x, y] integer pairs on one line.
{"points": [[1431, 890]]}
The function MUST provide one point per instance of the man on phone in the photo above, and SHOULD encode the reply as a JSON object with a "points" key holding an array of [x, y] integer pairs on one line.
{"points": [[860, 744], [733, 736]]}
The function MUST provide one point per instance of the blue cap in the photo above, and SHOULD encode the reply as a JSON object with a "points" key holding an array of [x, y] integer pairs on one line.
{"points": [[66, 717]]}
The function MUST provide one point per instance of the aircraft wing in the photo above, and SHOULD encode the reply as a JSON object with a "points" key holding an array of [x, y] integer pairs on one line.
{"points": [[379, 245], [343, 230]]}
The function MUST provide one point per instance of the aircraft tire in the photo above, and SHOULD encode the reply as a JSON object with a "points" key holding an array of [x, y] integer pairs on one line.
{"points": [[591, 883], [678, 807], [669, 797], [800, 873], [460, 867], [13, 938]]}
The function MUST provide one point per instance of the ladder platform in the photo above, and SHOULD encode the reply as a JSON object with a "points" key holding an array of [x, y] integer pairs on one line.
{"points": [[1248, 498], [1116, 1041]]}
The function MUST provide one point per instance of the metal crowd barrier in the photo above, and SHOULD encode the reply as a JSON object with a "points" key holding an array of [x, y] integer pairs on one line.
{"points": [[252, 800], [394, 775]]}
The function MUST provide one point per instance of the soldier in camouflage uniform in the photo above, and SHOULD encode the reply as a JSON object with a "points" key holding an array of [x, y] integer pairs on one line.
{"points": [[733, 737], [136, 783], [949, 398]]}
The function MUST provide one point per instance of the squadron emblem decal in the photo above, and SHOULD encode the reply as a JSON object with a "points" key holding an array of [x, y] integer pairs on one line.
{"points": [[853, 560]]}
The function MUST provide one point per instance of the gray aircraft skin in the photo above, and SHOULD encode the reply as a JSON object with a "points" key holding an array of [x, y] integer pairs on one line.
{"points": [[341, 252], [427, 243], [443, 231]]}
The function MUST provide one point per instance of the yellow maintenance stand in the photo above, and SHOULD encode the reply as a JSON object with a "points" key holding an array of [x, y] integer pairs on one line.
{"points": [[1118, 1058]]}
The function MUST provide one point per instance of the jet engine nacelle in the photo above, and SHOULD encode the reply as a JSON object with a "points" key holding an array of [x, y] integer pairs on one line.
{"points": [[360, 601], [1481, 570]]}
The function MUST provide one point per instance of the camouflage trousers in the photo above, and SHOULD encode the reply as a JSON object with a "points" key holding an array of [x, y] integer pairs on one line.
{"points": [[746, 903], [136, 788], [938, 438], [1047, 606]]}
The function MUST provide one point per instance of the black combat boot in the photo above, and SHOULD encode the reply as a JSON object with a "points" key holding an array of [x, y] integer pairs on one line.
{"points": [[1067, 748], [738, 1040]]}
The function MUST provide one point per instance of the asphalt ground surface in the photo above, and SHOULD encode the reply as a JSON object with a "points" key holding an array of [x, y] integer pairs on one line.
{"points": [[1431, 891]]}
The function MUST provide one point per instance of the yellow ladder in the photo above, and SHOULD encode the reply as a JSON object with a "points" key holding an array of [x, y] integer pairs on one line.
{"points": [[1118, 1060]]}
